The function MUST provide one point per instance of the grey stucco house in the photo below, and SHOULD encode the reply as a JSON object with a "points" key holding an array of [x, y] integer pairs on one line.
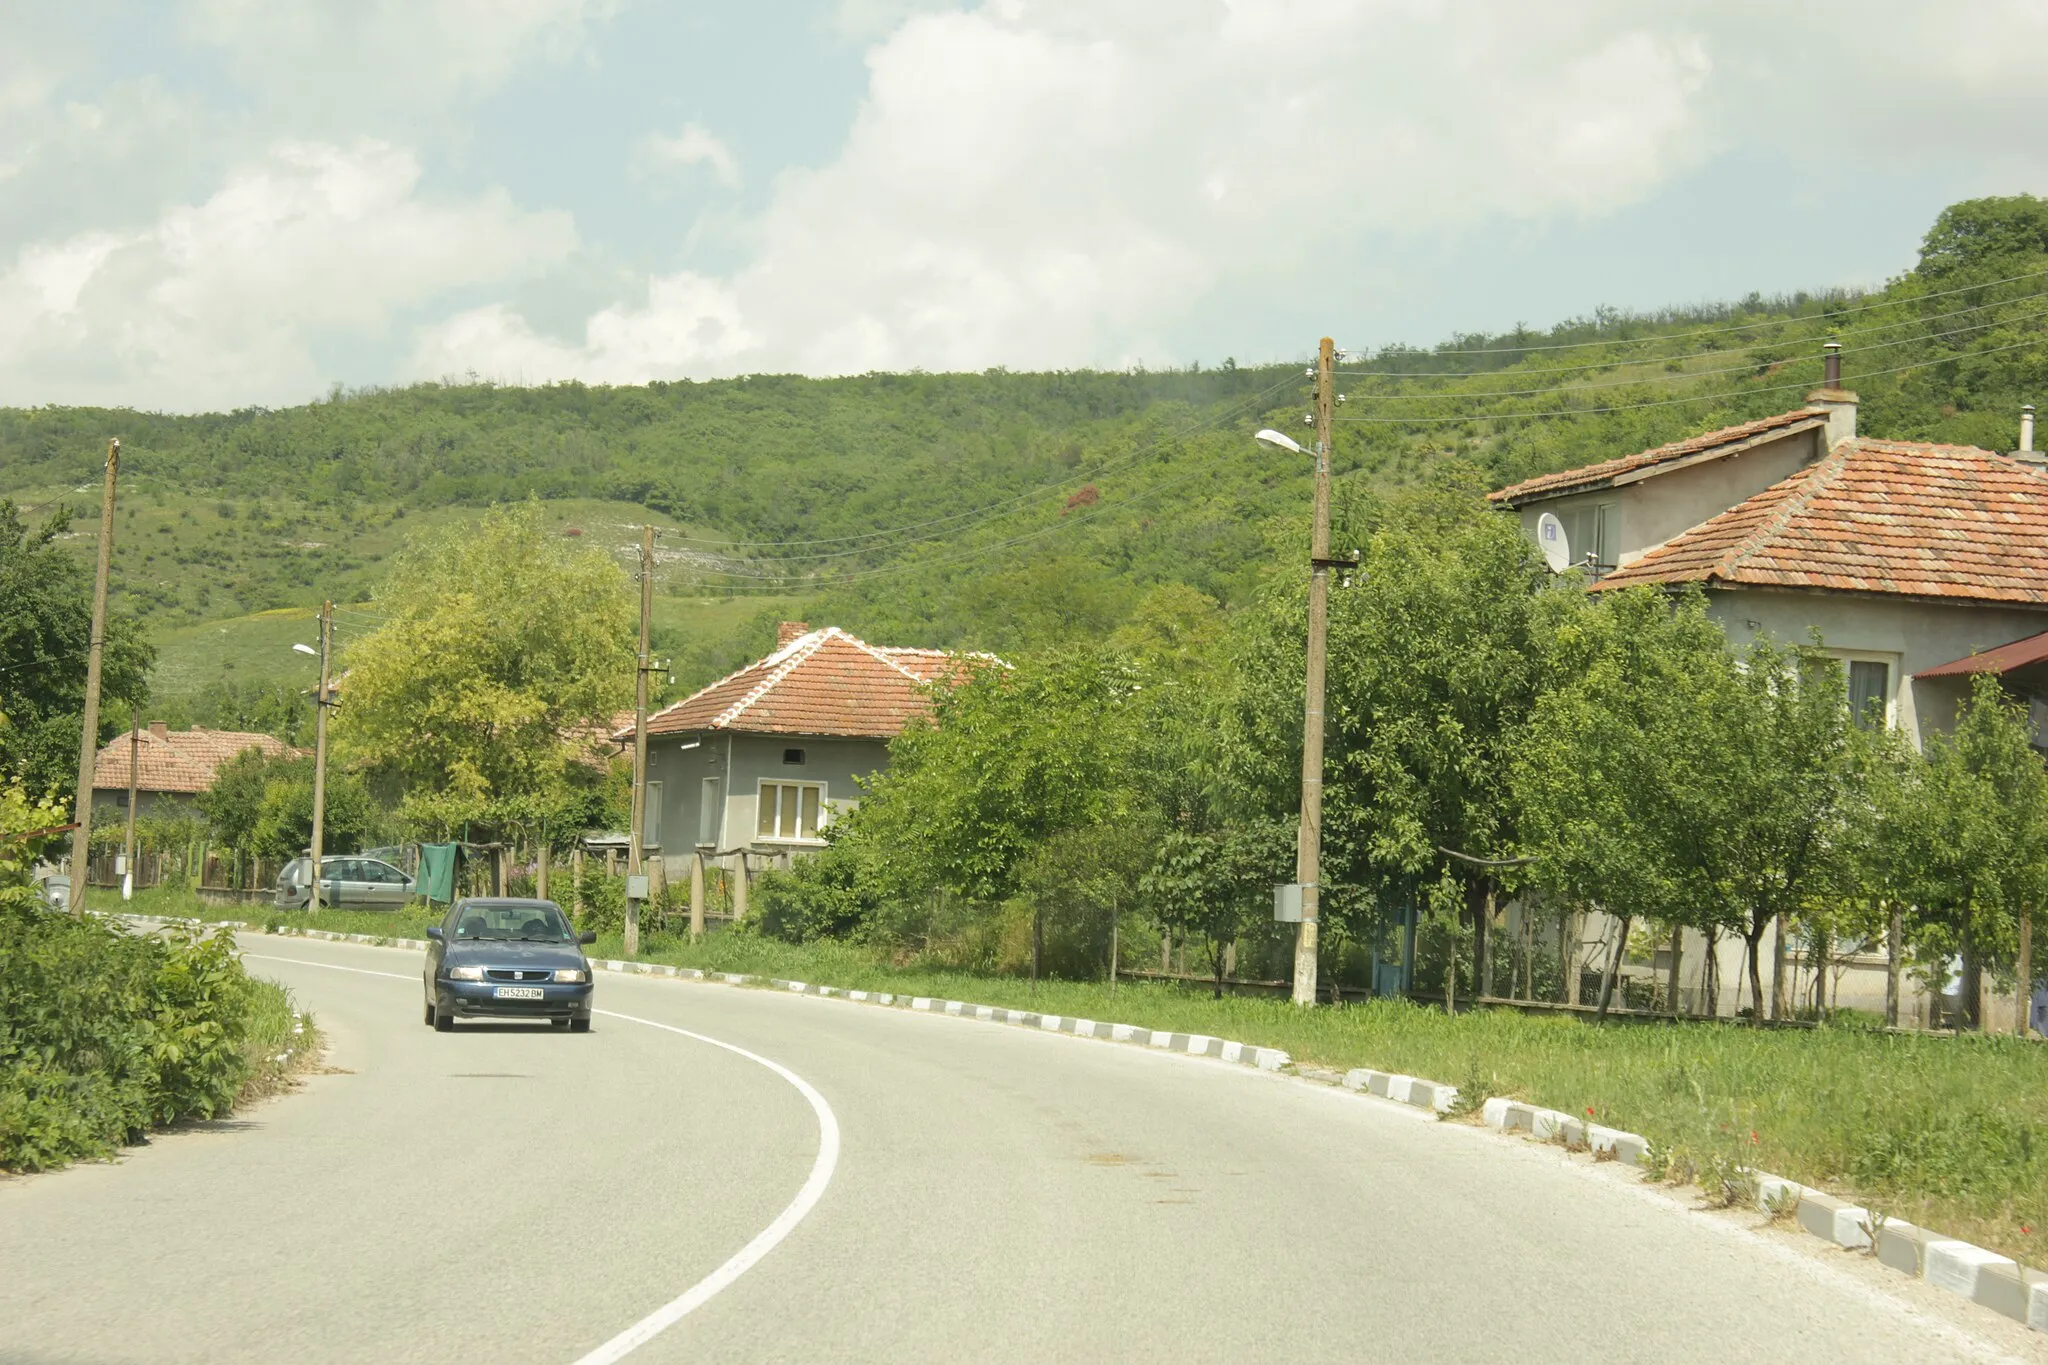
{"points": [[1920, 564], [750, 771]]}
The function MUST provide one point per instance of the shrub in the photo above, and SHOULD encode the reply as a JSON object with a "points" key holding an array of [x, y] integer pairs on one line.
{"points": [[105, 1033]]}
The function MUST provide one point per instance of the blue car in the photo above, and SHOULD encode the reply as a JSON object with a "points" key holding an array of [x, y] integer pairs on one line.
{"points": [[507, 959]]}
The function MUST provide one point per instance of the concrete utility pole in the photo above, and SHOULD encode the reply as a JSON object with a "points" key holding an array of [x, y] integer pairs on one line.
{"points": [[88, 739], [1308, 857], [320, 751], [128, 840], [637, 835]]}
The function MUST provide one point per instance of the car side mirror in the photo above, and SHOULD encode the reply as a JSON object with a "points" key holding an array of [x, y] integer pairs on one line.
{"points": [[434, 933], [586, 937]]}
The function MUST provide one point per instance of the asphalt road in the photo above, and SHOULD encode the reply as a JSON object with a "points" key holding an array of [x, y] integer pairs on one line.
{"points": [[507, 1194]]}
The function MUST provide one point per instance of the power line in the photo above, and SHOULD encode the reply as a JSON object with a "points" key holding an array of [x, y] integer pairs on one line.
{"points": [[1710, 331]]}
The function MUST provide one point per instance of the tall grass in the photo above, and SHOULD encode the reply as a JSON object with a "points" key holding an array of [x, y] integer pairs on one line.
{"points": [[281, 1042]]}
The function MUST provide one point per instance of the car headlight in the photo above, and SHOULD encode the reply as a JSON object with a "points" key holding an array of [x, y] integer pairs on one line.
{"points": [[571, 974], [465, 973]]}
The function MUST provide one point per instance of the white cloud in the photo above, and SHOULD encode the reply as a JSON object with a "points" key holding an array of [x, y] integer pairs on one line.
{"points": [[693, 146], [346, 61], [1054, 183], [224, 302]]}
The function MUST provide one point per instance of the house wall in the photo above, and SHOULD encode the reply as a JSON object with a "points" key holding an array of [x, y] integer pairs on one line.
{"points": [[1909, 635], [1653, 510], [111, 803], [744, 762]]}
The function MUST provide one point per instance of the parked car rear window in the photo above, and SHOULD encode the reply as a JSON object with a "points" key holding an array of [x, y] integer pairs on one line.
{"points": [[544, 922]]}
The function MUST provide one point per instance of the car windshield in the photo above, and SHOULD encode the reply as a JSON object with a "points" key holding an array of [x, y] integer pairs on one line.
{"points": [[541, 922]]}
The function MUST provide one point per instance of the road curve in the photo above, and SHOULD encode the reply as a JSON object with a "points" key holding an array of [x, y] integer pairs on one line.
{"points": [[507, 1194]]}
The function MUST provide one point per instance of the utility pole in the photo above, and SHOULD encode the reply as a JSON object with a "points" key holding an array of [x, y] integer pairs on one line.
{"points": [[1308, 856], [636, 834], [320, 751], [88, 739], [128, 840]]}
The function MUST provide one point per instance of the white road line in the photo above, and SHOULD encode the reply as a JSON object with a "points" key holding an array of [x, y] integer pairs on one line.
{"points": [[693, 1298], [741, 1261]]}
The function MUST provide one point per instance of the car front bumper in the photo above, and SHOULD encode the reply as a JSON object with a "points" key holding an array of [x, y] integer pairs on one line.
{"points": [[478, 999]]}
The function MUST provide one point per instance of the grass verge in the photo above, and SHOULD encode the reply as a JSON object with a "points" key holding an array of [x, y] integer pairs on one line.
{"points": [[1946, 1132], [282, 1043]]}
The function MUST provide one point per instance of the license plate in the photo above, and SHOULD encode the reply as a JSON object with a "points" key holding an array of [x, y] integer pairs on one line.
{"points": [[519, 993]]}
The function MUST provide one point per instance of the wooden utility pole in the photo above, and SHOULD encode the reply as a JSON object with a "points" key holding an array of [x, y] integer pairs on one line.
{"points": [[128, 839], [1308, 856], [89, 737], [636, 835], [2025, 972], [320, 751]]}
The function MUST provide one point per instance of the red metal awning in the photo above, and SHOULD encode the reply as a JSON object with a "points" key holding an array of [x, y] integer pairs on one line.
{"points": [[2003, 659]]}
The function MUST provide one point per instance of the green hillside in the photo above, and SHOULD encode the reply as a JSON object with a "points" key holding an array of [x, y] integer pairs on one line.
{"points": [[996, 509]]}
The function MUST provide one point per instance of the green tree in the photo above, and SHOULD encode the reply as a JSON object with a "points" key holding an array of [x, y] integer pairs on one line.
{"points": [[1009, 759], [1984, 231], [261, 806], [1434, 664], [45, 631], [1600, 775], [504, 644], [1968, 829]]}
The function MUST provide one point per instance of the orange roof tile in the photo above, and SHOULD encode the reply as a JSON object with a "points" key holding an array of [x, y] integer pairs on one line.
{"points": [[1876, 516], [176, 760], [826, 682], [1712, 446]]}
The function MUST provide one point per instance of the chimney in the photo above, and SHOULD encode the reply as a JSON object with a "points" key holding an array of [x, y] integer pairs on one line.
{"points": [[2026, 428], [790, 630], [159, 730], [1839, 402]]}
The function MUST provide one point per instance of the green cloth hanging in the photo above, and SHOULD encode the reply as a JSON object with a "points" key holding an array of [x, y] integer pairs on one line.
{"points": [[437, 871]]}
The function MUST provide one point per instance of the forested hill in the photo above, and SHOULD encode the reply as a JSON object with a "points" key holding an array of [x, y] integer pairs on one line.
{"points": [[1005, 509]]}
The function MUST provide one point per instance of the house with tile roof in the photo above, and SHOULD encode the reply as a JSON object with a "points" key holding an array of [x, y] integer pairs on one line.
{"points": [[1919, 565], [171, 767], [751, 770], [1905, 556]]}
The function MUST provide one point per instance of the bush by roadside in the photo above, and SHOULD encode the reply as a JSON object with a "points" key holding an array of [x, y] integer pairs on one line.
{"points": [[105, 1034]]}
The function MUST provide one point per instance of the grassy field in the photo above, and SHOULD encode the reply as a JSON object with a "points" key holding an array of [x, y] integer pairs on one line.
{"points": [[1941, 1131]]}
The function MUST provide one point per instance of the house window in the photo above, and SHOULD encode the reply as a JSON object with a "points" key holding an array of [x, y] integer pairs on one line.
{"points": [[708, 813], [1870, 692], [794, 757], [790, 810], [1592, 528], [650, 816]]}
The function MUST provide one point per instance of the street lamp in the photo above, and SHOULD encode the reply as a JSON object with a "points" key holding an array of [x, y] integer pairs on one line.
{"points": [[1279, 440]]}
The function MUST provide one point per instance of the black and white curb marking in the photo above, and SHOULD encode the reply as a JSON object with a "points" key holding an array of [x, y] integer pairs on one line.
{"points": [[1984, 1277]]}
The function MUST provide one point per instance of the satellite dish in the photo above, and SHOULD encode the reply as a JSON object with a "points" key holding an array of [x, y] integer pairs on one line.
{"points": [[1550, 535]]}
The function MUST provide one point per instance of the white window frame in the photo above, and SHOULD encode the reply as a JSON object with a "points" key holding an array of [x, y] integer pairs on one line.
{"points": [[824, 813], [1894, 677]]}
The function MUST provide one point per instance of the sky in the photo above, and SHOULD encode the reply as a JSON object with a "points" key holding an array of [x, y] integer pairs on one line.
{"points": [[216, 204]]}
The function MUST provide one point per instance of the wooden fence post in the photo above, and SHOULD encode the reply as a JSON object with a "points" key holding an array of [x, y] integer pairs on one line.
{"points": [[657, 885], [576, 881], [696, 896]]}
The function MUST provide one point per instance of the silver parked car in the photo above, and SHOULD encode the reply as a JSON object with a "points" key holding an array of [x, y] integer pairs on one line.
{"points": [[350, 882], [55, 892]]}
